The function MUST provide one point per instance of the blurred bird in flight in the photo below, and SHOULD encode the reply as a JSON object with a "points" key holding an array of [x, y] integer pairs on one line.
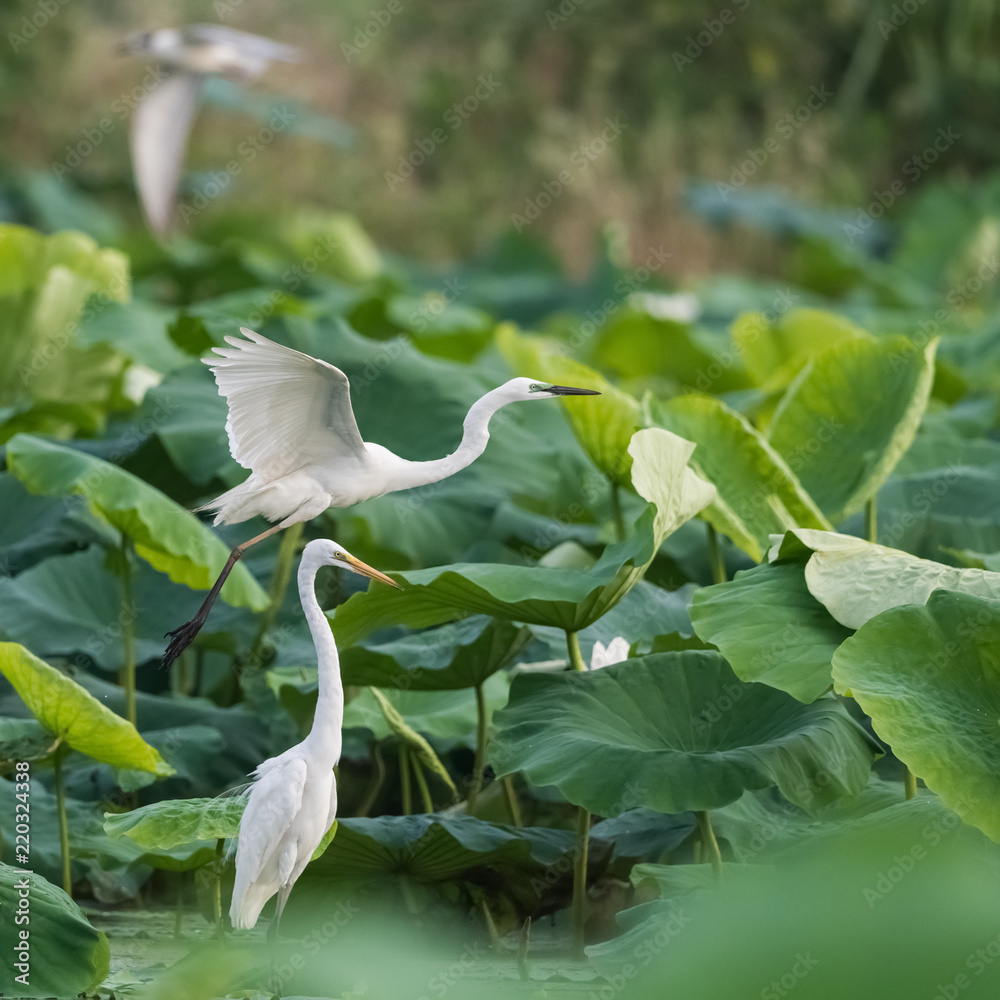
{"points": [[162, 121]]}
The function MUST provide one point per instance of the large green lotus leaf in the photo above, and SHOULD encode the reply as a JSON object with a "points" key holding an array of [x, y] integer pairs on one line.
{"points": [[168, 537], [643, 833], [537, 595], [856, 580], [686, 732], [604, 424], [942, 494], [71, 604], [949, 507], [460, 655], [928, 677], [942, 442], [177, 834], [67, 710], [771, 629], [662, 475], [65, 955], [162, 826], [542, 595], [429, 848], [774, 352], [760, 827], [758, 494], [848, 417], [45, 285]]}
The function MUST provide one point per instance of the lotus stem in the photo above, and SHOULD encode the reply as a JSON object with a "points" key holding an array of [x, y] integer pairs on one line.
{"points": [[425, 792], [378, 779], [573, 646], [871, 519], [718, 564], [126, 676], [179, 906], [513, 806], [616, 511], [495, 941], [710, 846], [523, 945], [580, 881], [276, 590], [909, 783], [182, 679], [582, 832], [404, 778], [63, 824], [480, 761], [217, 893]]}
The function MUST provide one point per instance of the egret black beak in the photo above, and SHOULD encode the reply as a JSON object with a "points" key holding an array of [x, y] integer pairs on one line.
{"points": [[568, 390], [365, 570]]}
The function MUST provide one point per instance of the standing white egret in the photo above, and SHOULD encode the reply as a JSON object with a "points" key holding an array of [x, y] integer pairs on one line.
{"points": [[162, 122], [291, 424], [293, 801]]}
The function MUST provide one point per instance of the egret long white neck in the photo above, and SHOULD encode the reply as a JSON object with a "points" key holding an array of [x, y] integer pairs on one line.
{"points": [[475, 437], [325, 736]]}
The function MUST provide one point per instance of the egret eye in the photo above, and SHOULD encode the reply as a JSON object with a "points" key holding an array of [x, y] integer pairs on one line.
{"points": [[535, 387]]}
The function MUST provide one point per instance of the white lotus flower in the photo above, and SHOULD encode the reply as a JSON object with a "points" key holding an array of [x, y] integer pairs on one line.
{"points": [[614, 652]]}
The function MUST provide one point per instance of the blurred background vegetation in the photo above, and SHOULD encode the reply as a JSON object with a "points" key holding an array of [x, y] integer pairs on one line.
{"points": [[694, 93]]}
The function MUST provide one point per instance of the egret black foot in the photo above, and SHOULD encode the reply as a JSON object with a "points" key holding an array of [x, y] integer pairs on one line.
{"points": [[180, 639]]}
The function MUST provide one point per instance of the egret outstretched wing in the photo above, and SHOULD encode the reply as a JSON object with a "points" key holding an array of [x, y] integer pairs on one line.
{"points": [[253, 45], [159, 134], [286, 409]]}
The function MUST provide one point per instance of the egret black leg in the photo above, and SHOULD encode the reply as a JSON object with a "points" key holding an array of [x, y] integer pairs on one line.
{"points": [[181, 638], [276, 983], [274, 939]]}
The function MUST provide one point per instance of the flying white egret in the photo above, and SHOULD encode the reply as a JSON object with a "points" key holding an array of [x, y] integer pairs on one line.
{"points": [[162, 121], [291, 424], [293, 801]]}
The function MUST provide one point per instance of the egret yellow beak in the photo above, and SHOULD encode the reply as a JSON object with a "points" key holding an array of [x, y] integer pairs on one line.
{"points": [[365, 570]]}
